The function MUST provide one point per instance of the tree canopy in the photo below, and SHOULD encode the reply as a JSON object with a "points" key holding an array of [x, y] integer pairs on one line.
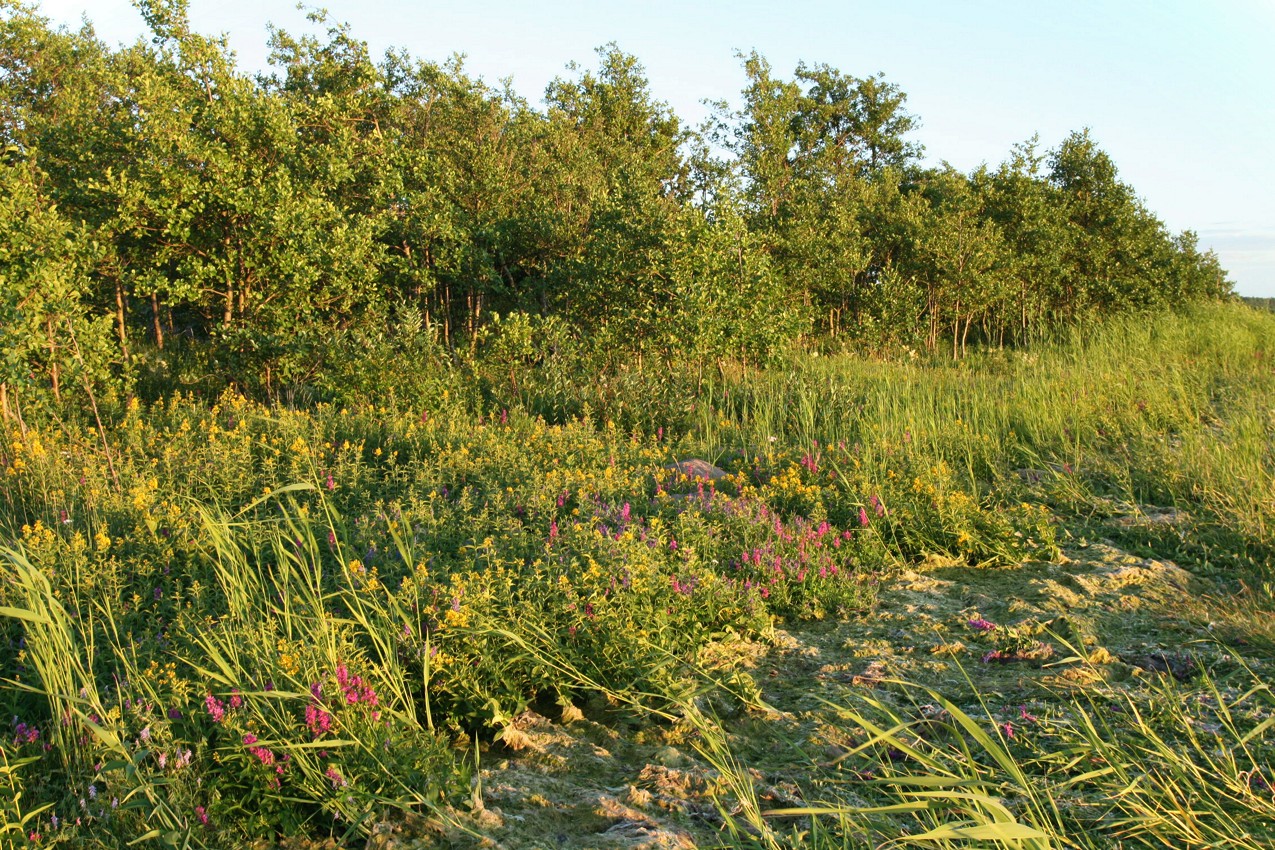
{"points": [[167, 214]]}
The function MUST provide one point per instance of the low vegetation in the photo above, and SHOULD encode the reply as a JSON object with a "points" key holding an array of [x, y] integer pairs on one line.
{"points": [[236, 621]]}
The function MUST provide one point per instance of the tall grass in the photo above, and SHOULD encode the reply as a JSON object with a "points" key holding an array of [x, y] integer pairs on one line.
{"points": [[1174, 412], [1169, 765]]}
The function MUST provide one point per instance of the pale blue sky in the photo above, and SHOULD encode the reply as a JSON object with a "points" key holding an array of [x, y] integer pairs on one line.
{"points": [[1180, 93]]}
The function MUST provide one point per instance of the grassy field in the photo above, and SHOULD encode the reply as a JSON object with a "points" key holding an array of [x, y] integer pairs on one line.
{"points": [[1023, 600]]}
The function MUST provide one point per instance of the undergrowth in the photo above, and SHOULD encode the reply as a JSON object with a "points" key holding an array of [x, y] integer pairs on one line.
{"points": [[232, 621]]}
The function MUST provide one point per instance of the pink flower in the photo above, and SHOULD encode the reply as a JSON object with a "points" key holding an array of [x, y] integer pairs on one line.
{"points": [[25, 734], [236, 701], [338, 781], [249, 739], [216, 708], [863, 517], [202, 814], [317, 720], [982, 625]]}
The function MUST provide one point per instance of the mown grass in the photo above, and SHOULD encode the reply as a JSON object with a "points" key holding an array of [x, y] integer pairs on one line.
{"points": [[232, 621]]}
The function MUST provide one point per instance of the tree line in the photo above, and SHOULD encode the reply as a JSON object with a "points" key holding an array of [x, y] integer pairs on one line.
{"points": [[165, 213]]}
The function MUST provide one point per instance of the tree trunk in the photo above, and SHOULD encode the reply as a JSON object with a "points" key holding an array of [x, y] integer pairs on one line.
{"points": [[53, 364], [120, 319], [159, 331]]}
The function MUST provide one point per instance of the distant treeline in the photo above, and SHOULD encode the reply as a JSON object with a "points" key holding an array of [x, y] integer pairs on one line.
{"points": [[1259, 303], [165, 216]]}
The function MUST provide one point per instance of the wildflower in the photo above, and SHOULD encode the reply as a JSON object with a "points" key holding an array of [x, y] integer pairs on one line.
{"points": [[249, 739], [264, 755], [329, 483], [338, 781], [92, 792], [162, 758], [216, 708], [316, 691], [1008, 729], [24, 734], [1024, 714], [202, 814], [863, 517], [236, 701], [317, 720], [174, 714], [979, 624]]}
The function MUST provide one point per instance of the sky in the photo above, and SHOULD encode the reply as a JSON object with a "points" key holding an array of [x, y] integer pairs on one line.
{"points": [[1181, 94]]}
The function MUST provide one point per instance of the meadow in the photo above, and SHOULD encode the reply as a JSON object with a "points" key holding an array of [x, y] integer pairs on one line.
{"points": [[1021, 599]]}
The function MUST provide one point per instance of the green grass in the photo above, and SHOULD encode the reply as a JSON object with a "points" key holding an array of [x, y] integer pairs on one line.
{"points": [[232, 622]]}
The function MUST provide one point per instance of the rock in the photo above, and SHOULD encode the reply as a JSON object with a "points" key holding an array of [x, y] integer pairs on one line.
{"points": [[1180, 667], [670, 757], [696, 468]]}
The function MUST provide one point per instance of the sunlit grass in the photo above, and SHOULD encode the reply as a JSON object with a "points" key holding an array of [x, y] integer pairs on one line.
{"points": [[259, 620]]}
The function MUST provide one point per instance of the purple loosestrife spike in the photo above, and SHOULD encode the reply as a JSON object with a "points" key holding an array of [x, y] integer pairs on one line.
{"points": [[216, 708]]}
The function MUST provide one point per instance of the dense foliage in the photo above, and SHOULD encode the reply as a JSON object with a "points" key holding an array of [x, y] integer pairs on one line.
{"points": [[169, 220]]}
